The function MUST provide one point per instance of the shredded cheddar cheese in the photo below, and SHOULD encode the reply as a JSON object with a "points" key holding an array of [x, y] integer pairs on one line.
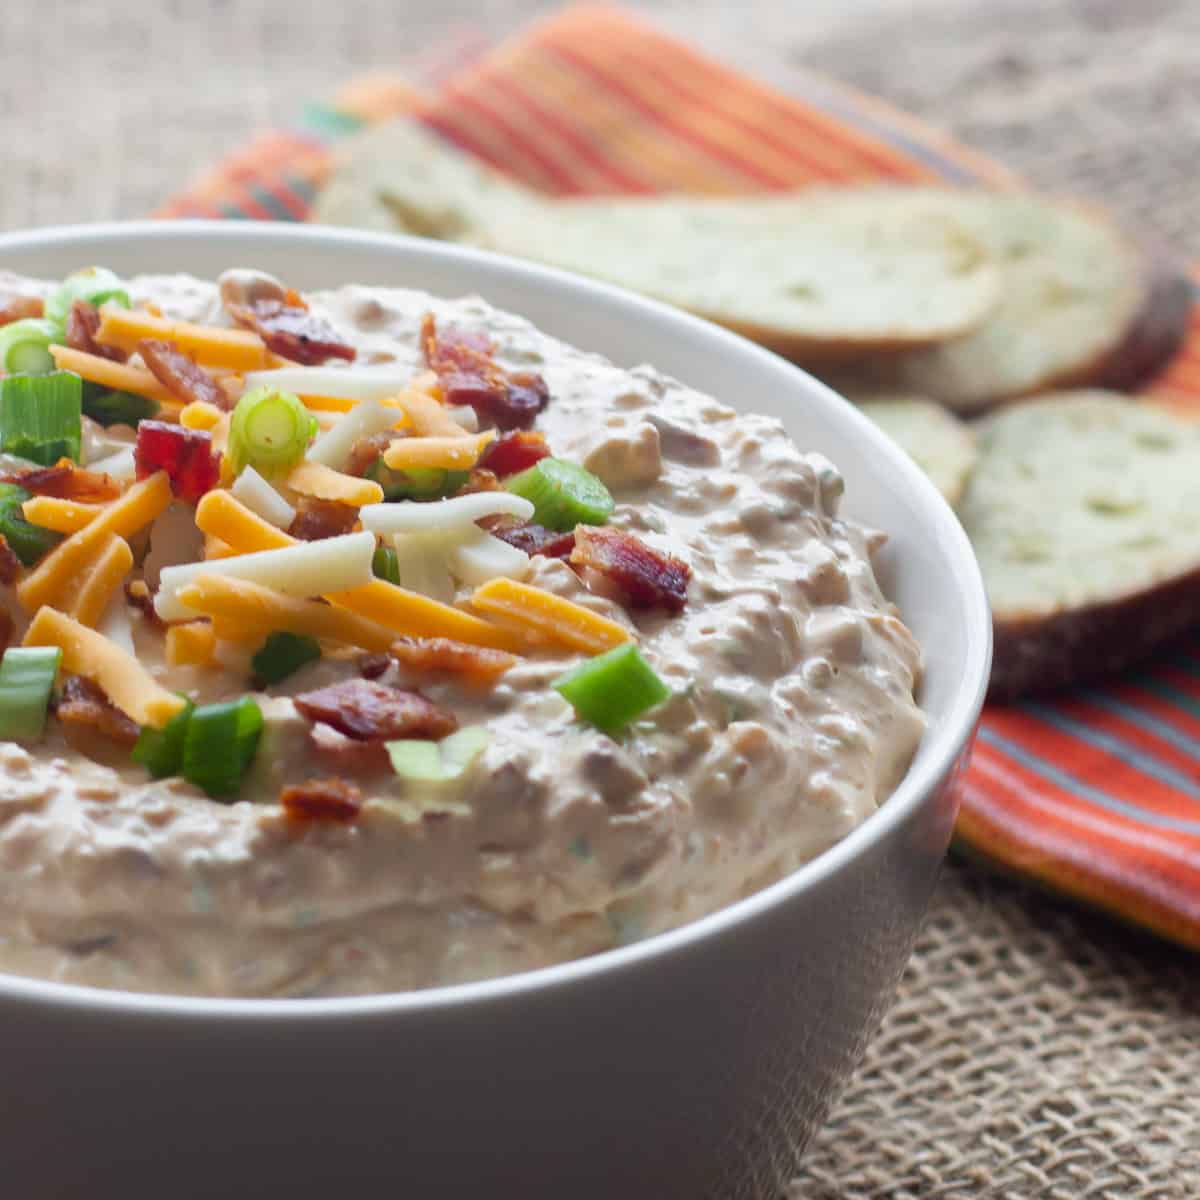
{"points": [[256, 610], [222, 516], [63, 516], [124, 680], [563, 621], [428, 417], [324, 483], [121, 377], [97, 588], [191, 644], [448, 453], [200, 415], [54, 577], [209, 345]]}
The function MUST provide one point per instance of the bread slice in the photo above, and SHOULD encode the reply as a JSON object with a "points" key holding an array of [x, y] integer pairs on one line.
{"points": [[1079, 306], [1084, 511], [940, 444], [820, 275]]}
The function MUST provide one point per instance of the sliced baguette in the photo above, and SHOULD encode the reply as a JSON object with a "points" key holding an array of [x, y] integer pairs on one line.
{"points": [[1079, 306], [1084, 511], [937, 441], [819, 275]]}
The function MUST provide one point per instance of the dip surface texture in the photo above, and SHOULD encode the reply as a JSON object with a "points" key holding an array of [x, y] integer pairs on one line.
{"points": [[792, 718]]}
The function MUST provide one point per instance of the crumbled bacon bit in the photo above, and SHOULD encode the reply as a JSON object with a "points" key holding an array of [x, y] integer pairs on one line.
{"points": [[372, 666], [442, 654], [83, 703], [367, 450], [185, 454], [184, 379], [514, 452], [319, 519], [6, 629], [66, 481], [322, 800], [138, 595], [345, 755], [643, 577], [530, 536], [19, 308], [292, 331], [479, 480], [468, 374], [369, 711], [10, 564], [82, 323]]}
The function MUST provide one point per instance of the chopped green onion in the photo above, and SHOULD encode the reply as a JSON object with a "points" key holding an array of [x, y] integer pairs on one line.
{"points": [[25, 347], [27, 541], [563, 494], [41, 416], [95, 285], [219, 745], [117, 408], [26, 678], [386, 564], [282, 654], [270, 431], [417, 483], [438, 762], [612, 689], [160, 751]]}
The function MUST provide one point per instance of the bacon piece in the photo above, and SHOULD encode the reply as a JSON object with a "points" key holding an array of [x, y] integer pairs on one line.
{"points": [[6, 629], [467, 374], [643, 577], [369, 711], [83, 703], [19, 308], [82, 323], [66, 481], [367, 450], [347, 756], [372, 666], [514, 452], [478, 663], [530, 536], [322, 800], [10, 564], [138, 595], [292, 331], [185, 454], [184, 379], [479, 480], [319, 519]]}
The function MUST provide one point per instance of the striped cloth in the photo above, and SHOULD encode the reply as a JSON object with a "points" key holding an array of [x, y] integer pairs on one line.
{"points": [[1096, 795]]}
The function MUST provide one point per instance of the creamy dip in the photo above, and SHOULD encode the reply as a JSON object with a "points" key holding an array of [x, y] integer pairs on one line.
{"points": [[792, 718]]}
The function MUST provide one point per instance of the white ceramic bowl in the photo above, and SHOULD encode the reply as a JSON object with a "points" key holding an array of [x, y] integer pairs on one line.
{"points": [[695, 1063]]}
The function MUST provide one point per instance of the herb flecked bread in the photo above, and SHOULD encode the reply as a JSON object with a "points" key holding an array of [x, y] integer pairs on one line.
{"points": [[1080, 306], [937, 441], [820, 275], [1084, 511]]}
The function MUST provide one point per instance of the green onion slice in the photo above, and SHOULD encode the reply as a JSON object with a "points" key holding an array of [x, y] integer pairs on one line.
{"points": [[270, 431], [282, 654], [25, 347], [96, 285], [160, 751], [417, 483], [612, 689], [41, 416], [116, 408], [563, 494], [438, 762], [386, 564], [219, 745], [27, 541], [26, 679]]}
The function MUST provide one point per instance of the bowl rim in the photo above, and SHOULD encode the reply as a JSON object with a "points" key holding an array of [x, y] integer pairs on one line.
{"points": [[949, 739]]}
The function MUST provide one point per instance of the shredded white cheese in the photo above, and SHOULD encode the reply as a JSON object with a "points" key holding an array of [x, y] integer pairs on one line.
{"points": [[485, 557], [343, 383], [333, 447], [458, 513], [262, 499]]}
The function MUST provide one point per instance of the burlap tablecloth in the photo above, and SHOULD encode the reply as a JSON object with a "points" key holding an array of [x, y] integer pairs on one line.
{"points": [[1034, 1051]]}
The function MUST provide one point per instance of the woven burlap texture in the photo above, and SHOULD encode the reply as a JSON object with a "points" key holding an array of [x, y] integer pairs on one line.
{"points": [[1033, 1051]]}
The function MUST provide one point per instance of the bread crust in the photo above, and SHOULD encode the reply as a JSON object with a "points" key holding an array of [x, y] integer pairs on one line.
{"points": [[1044, 653]]}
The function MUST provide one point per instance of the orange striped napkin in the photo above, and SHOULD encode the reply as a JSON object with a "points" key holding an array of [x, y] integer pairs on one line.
{"points": [[1096, 794]]}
